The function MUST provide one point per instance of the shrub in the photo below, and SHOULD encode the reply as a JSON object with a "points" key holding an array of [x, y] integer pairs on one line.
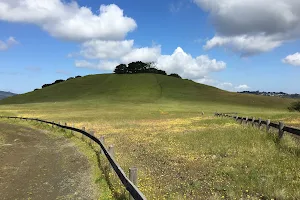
{"points": [[70, 78], [175, 75], [295, 106]]}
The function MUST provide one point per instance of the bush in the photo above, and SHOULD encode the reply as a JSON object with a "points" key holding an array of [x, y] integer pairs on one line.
{"points": [[295, 106], [70, 78], [175, 75]]}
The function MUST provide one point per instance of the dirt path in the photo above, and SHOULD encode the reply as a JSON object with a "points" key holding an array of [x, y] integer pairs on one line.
{"points": [[37, 165]]}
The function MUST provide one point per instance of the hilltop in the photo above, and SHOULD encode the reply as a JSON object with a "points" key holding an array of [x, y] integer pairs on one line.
{"points": [[140, 88], [5, 94]]}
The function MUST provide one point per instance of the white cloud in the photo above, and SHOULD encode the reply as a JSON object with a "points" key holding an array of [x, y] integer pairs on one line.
{"points": [[242, 87], [207, 81], [84, 64], [109, 53], [119, 50], [68, 20], [4, 45], [101, 65], [293, 59], [250, 27], [225, 86], [222, 85], [185, 65], [98, 49], [244, 45], [145, 54]]}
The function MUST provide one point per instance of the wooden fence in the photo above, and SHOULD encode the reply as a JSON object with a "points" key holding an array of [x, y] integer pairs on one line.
{"points": [[135, 193], [259, 122]]}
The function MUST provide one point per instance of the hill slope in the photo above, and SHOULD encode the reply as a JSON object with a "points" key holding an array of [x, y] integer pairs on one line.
{"points": [[5, 94], [138, 88]]}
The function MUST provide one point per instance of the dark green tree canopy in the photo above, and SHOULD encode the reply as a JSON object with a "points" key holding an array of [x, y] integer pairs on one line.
{"points": [[140, 67], [121, 69]]}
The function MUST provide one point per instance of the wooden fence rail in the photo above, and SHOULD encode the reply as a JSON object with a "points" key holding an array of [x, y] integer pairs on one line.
{"points": [[130, 187], [280, 126]]}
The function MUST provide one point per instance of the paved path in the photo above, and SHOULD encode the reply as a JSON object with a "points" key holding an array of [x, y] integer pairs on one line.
{"points": [[37, 165]]}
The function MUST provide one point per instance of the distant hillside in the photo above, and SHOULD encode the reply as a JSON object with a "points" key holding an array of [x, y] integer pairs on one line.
{"points": [[5, 94], [139, 88]]}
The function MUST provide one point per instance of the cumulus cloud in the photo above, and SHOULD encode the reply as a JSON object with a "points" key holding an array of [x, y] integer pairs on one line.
{"points": [[68, 20], [184, 64], [84, 64], [4, 45], [244, 45], [249, 27], [222, 85], [145, 54], [293, 59], [101, 65], [98, 49], [242, 87], [116, 52]]}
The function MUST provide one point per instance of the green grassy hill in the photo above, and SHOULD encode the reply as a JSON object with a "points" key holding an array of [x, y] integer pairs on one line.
{"points": [[140, 88]]}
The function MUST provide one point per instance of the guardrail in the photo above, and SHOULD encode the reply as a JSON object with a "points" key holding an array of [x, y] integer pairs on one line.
{"points": [[280, 126], [130, 187]]}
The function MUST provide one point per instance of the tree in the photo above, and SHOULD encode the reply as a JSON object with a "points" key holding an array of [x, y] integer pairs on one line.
{"points": [[58, 81], [70, 78], [137, 67], [174, 75], [121, 69], [46, 85]]}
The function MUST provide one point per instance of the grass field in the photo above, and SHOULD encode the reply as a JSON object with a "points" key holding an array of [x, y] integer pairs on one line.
{"points": [[180, 154]]}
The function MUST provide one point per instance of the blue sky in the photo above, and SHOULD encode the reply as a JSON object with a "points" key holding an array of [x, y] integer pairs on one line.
{"points": [[231, 44]]}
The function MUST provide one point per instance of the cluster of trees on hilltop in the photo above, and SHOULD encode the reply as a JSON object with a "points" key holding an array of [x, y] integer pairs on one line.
{"points": [[140, 67], [58, 81]]}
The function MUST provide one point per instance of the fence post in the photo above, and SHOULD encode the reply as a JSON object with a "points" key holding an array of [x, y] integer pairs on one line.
{"points": [[259, 123], [111, 151], [65, 125], [246, 120], [268, 125], [102, 141], [280, 133], [253, 121], [133, 178], [90, 140]]}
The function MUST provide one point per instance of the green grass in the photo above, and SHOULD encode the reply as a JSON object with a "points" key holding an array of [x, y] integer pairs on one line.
{"points": [[155, 124], [142, 88]]}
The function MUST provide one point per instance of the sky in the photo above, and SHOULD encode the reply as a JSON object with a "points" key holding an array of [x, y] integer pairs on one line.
{"points": [[234, 45]]}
